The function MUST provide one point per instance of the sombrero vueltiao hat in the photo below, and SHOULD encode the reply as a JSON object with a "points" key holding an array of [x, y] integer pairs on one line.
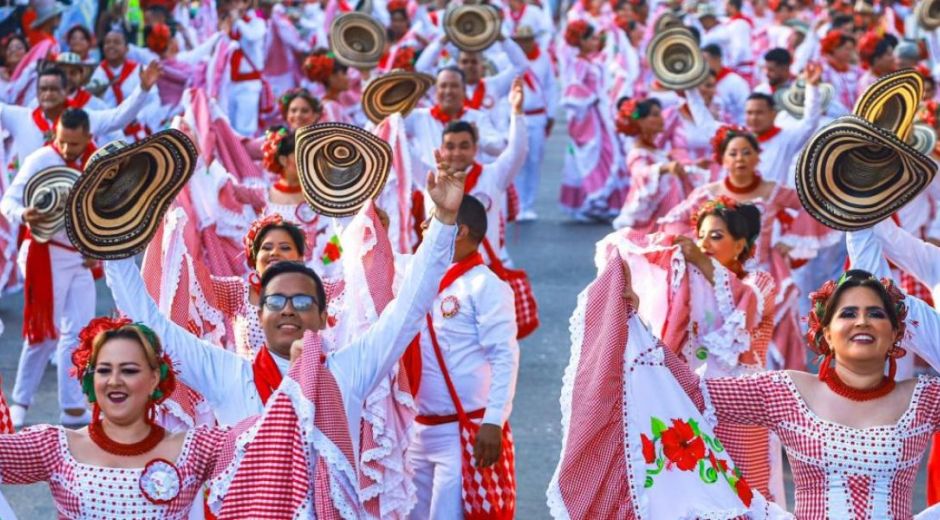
{"points": [[357, 40], [676, 60], [47, 191], [341, 167], [928, 14], [472, 28], [923, 138], [859, 169], [397, 91], [117, 205], [793, 98], [667, 20]]}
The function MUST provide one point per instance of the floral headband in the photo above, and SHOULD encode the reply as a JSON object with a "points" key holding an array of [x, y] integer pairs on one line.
{"points": [[272, 140], [318, 67], [83, 367], [627, 118], [819, 298], [257, 226], [719, 203], [724, 135]]}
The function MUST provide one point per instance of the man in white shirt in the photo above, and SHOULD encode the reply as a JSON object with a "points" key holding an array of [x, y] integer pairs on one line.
{"points": [[73, 288], [424, 125], [122, 77], [732, 90], [32, 128], [488, 182], [777, 64], [241, 85], [474, 323]]}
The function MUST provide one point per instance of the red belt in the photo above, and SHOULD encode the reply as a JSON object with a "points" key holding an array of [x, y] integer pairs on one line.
{"points": [[535, 112], [435, 420]]}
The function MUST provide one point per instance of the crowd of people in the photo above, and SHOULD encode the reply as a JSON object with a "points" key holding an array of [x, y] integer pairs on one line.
{"points": [[300, 210]]}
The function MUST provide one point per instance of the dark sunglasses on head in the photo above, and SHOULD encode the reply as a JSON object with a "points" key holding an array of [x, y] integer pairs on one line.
{"points": [[277, 302]]}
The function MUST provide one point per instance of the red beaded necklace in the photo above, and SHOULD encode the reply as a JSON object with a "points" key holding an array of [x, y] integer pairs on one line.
{"points": [[282, 187], [831, 378], [100, 438], [743, 190]]}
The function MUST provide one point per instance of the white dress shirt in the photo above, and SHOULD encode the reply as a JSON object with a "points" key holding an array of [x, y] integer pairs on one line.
{"points": [[425, 134], [479, 348], [733, 91], [226, 379]]}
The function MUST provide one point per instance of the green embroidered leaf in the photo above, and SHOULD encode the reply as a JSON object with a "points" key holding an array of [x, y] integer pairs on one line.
{"points": [[657, 426], [701, 353], [648, 483], [695, 428]]}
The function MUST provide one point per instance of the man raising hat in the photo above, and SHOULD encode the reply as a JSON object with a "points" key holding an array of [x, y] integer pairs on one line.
{"points": [[60, 291], [77, 73]]}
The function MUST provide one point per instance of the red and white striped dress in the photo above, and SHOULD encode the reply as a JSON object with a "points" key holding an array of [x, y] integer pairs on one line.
{"points": [[84, 491], [838, 471]]}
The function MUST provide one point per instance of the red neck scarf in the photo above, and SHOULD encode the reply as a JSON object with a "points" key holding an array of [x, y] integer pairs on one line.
{"points": [[534, 53], [473, 176], [80, 163], [80, 99], [118, 81], [769, 134], [439, 114], [722, 73], [44, 125], [459, 269], [478, 96], [267, 374], [517, 15], [740, 16]]}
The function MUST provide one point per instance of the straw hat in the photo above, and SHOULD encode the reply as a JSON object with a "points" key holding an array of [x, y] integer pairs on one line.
{"points": [[472, 28], [357, 40], [676, 59], [667, 20], [923, 138], [397, 91], [928, 14], [860, 169], [793, 98], [341, 167], [117, 204], [46, 191]]}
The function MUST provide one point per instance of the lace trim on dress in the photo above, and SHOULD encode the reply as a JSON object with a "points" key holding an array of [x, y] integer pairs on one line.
{"points": [[733, 338], [804, 247]]}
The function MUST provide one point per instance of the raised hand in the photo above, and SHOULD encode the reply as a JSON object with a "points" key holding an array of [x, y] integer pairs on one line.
{"points": [[516, 95], [149, 75], [446, 188]]}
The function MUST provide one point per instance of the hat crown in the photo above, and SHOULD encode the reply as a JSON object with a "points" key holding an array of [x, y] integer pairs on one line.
{"points": [[891, 102], [472, 28], [357, 40]]}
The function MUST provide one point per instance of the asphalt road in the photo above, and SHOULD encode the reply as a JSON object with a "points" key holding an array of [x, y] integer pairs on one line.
{"points": [[558, 255]]}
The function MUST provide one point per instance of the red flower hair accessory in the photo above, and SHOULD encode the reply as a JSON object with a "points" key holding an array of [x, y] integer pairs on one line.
{"points": [[928, 113], [405, 59], [319, 67], [709, 206], [819, 299], [398, 5], [831, 41], [575, 32], [272, 139], [158, 38], [82, 356], [867, 45], [723, 136], [257, 227], [627, 117]]}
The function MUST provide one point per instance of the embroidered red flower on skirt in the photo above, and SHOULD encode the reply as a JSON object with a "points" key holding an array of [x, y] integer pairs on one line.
{"points": [[682, 446], [649, 449]]}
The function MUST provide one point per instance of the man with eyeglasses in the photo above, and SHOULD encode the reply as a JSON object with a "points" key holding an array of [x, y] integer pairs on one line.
{"points": [[292, 302]]}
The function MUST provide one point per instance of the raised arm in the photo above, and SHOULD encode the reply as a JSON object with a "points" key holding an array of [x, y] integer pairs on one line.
{"points": [[919, 258], [107, 121], [501, 82], [429, 57], [208, 369], [513, 157], [701, 115]]}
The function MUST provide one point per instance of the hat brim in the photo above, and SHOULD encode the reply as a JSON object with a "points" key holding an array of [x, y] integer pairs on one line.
{"points": [[853, 174], [676, 60], [667, 21], [47, 191], [117, 204], [891, 102], [923, 139], [472, 28], [785, 100], [57, 10], [357, 40], [341, 167], [928, 14], [397, 91]]}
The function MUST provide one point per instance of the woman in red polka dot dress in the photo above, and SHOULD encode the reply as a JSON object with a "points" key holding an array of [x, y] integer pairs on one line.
{"points": [[122, 465]]}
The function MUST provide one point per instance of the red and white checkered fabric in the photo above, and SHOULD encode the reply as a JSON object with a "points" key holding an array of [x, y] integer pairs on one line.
{"points": [[527, 310], [488, 493], [512, 203], [6, 424]]}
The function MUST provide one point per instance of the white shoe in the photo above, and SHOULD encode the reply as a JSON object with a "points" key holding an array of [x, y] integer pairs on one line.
{"points": [[75, 421], [17, 416], [527, 216]]}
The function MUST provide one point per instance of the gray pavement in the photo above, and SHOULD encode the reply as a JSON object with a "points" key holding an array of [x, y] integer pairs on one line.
{"points": [[558, 255]]}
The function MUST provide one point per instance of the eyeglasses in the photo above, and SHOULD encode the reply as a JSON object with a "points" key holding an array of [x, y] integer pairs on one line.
{"points": [[277, 302]]}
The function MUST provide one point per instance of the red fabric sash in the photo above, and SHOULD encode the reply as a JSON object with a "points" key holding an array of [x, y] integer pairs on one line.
{"points": [[722, 73], [439, 114], [769, 134], [478, 96], [534, 53], [473, 176], [529, 80], [43, 124], [38, 298], [740, 16], [80, 99], [116, 84], [267, 375], [237, 74], [411, 360]]}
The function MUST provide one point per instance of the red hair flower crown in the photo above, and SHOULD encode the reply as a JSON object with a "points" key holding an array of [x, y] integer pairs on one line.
{"points": [[83, 366], [627, 118], [575, 32], [272, 139], [257, 227], [724, 135], [319, 67], [158, 37], [405, 59]]}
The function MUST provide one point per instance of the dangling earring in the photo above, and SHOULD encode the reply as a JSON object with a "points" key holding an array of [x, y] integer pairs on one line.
{"points": [[254, 281], [824, 367], [895, 353]]}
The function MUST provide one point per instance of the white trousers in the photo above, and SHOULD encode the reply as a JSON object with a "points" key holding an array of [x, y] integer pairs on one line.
{"points": [[527, 180], [435, 456], [243, 99], [73, 290]]}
